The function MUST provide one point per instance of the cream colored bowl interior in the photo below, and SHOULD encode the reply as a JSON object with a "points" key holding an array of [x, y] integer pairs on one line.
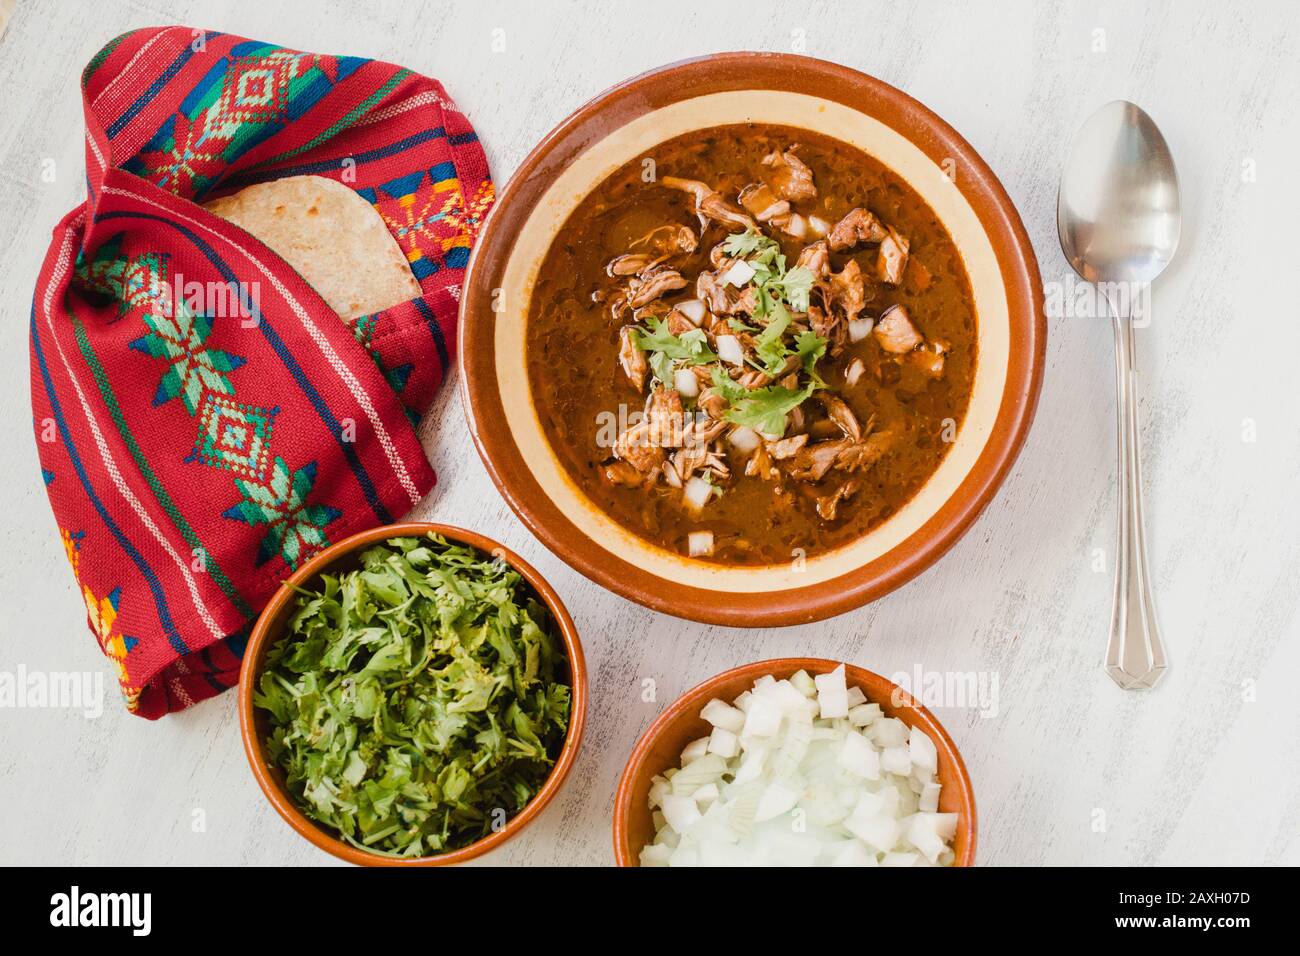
{"points": [[638, 138]]}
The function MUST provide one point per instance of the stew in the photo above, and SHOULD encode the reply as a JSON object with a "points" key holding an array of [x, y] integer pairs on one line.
{"points": [[756, 344]]}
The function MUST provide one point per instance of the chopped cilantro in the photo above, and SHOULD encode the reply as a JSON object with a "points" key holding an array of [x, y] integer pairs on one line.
{"points": [[770, 345], [762, 409], [666, 349], [416, 698]]}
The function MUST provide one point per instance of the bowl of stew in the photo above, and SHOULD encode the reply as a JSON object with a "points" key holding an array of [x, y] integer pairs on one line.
{"points": [[751, 339]]}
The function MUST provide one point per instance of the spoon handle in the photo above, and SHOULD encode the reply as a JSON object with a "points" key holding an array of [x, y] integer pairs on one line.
{"points": [[1135, 656]]}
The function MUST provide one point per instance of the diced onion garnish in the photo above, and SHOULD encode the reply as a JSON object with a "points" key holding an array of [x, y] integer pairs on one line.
{"points": [[699, 543], [687, 385], [693, 309], [818, 226], [859, 329], [854, 372], [802, 772], [740, 273], [697, 494], [730, 350], [744, 439], [796, 226]]}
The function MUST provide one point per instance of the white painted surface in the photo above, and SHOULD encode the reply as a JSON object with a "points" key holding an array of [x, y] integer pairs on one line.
{"points": [[1202, 770]]}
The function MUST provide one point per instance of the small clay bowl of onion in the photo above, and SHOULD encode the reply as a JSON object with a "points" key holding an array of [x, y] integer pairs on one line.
{"points": [[797, 761]]}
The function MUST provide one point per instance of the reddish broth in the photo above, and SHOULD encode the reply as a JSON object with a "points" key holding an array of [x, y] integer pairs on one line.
{"points": [[573, 345]]}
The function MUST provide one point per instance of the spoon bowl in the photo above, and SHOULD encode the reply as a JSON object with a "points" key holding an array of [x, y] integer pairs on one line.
{"points": [[1118, 212]]}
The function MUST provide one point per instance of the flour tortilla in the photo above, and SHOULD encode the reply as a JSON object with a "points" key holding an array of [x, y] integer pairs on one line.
{"points": [[332, 237]]}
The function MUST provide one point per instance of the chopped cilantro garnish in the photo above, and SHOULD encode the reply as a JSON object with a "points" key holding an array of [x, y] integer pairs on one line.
{"points": [[416, 699], [743, 245], [666, 349], [770, 345], [796, 284], [762, 409]]}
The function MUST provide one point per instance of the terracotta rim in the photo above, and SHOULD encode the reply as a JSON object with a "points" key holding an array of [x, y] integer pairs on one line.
{"points": [[633, 786], [725, 72], [268, 627]]}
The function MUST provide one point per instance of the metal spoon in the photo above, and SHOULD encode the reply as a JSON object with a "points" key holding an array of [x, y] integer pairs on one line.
{"points": [[1119, 220]]}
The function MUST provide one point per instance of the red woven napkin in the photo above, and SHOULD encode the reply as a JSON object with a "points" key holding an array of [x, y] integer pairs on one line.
{"points": [[195, 456]]}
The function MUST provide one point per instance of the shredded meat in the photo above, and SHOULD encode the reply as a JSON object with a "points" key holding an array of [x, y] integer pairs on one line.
{"points": [[840, 413], [862, 455], [816, 258], [629, 264], [895, 331], [648, 285], [787, 447], [622, 473], [812, 462], [664, 414], [669, 240], [848, 291], [828, 505], [710, 205], [856, 227], [762, 203], [636, 448], [791, 179], [631, 358], [892, 260]]}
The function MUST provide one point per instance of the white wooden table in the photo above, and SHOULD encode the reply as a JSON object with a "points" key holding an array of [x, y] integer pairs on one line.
{"points": [[1069, 769]]}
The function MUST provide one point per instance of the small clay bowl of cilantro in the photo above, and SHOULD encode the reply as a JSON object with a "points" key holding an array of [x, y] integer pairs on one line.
{"points": [[413, 695]]}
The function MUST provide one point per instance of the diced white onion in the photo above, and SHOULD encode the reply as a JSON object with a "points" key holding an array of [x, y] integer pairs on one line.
{"points": [[721, 714], [694, 750], [929, 802], [922, 752], [730, 350], [863, 714], [763, 719], [832, 695], [693, 309], [697, 493], [723, 743], [853, 374], [804, 683], [859, 757], [896, 760], [699, 543], [681, 813], [744, 439], [740, 273], [796, 226], [687, 385], [859, 329], [818, 226], [779, 782]]}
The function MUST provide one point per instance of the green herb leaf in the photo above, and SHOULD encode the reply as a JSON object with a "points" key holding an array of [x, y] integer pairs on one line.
{"points": [[751, 242], [770, 345], [765, 409], [666, 349]]}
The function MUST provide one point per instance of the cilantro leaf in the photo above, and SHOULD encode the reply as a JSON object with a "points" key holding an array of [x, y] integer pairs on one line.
{"points": [[770, 345], [765, 409], [796, 286], [666, 349], [751, 242]]}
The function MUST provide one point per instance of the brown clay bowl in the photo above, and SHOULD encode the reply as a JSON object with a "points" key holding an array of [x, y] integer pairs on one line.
{"points": [[660, 747], [629, 121], [270, 625]]}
